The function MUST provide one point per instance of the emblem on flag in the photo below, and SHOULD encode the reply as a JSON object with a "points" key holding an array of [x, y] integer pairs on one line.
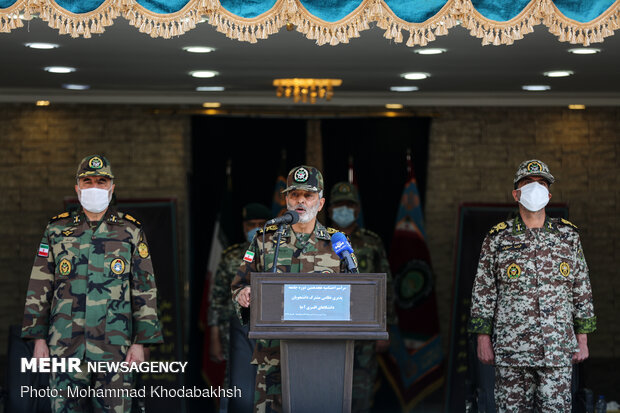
{"points": [[249, 256], [44, 250]]}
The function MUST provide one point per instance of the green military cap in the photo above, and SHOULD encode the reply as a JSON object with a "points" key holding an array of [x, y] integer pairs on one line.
{"points": [[533, 167], [304, 177], [255, 211], [344, 191], [94, 165]]}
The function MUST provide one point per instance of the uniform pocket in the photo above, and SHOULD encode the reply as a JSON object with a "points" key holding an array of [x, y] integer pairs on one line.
{"points": [[118, 323], [61, 322], [65, 254], [117, 263]]}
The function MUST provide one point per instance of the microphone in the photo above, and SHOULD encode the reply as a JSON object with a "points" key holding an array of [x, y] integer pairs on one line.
{"points": [[289, 217], [342, 248]]}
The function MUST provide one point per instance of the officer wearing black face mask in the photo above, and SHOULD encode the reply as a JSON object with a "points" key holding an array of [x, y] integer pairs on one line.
{"points": [[343, 210]]}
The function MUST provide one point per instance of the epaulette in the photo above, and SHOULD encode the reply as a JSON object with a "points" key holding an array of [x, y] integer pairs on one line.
{"points": [[132, 219], [372, 234], [498, 228], [59, 216], [331, 231], [269, 228], [232, 247], [568, 223]]}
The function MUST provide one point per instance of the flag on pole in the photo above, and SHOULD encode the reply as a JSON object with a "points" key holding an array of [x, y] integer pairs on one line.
{"points": [[213, 372], [278, 206], [413, 365]]}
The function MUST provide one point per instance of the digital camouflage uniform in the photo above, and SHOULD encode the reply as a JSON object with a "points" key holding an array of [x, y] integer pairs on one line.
{"points": [[371, 258], [532, 295], [312, 254], [91, 295]]}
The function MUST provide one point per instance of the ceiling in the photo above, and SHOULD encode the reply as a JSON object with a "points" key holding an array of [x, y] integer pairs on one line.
{"points": [[125, 66]]}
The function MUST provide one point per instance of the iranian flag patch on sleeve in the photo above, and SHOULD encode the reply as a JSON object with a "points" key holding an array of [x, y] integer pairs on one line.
{"points": [[44, 250], [249, 256]]}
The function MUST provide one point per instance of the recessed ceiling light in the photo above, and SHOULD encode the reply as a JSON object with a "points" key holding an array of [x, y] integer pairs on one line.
{"points": [[43, 103], [584, 50], [203, 74], [403, 88], [430, 50], [577, 107], [535, 88], [558, 73], [415, 75], [393, 106], [59, 69], [198, 49], [71, 86], [211, 105], [42, 46], [209, 88]]}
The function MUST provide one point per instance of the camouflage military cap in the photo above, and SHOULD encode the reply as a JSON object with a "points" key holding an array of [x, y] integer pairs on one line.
{"points": [[304, 177], [255, 211], [94, 165], [533, 167], [344, 191]]}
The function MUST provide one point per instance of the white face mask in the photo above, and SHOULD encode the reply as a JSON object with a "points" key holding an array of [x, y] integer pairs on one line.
{"points": [[343, 216], [534, 196], [94, 200]]}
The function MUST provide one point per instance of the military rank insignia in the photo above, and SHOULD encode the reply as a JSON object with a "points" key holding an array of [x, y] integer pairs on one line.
{"points": [[249, 256], [44, 250], [514, 271], [117, 266], [499, 227], [67, 232], [64, 268], [564, 269], [143, 250]]}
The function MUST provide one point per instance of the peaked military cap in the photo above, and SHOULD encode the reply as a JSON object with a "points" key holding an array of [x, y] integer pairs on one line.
{"points": [[533, 167], [255, 211], [304, 177], [94, 165], [344, 191]]}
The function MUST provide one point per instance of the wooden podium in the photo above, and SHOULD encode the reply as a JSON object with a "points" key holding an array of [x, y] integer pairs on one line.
{"points": [[317, 317]]}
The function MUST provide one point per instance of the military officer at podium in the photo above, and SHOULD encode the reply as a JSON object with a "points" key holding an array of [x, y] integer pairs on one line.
{"points": [[305, 248], [532, 302]]}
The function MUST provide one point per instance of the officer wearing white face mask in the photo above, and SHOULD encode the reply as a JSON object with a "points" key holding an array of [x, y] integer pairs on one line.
{"points": [[532, 301], [344, 208]]}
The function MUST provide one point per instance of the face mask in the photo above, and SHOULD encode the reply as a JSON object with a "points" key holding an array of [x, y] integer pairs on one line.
{"points": [[343, 216], [250, 234], [534, 196], [94, 200]]}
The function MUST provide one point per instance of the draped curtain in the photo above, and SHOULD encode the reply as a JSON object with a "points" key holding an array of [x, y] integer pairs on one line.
{"points": [[413, 22]]}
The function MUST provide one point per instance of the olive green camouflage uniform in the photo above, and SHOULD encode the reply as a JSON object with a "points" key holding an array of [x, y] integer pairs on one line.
{"points": [[315, 256], [532, 294], [92, 294], [221, 307]]}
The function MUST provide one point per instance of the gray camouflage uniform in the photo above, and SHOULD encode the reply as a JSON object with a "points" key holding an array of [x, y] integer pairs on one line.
{"points": [[532, 294]]}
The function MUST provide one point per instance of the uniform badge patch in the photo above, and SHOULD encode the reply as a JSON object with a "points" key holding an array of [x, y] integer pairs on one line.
{"points": [[64, 268], [143, 250], [514, 271], [44, 250], [67, 232], [117, 266], [249, 256], [534, 167], [95, 162], [301, 175], [564, 268]]}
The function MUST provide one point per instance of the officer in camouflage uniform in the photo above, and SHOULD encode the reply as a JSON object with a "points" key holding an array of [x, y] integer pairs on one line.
{"points": [[92, 292], [229, 339], [532, 302], [344, 208], [305, 248]]}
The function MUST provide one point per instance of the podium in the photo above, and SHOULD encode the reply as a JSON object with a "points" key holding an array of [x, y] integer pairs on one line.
{"points": [[317, 317]]}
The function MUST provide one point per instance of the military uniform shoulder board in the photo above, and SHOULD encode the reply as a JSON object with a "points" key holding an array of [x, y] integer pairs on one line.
{"points": [[231, 248], [498, 228], [331, 231], [568, 223], [59, 216], [132, 219], [369, 232]]}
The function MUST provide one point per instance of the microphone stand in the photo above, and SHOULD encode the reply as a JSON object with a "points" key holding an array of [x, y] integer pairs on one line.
{"points": [[279, 232]]}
